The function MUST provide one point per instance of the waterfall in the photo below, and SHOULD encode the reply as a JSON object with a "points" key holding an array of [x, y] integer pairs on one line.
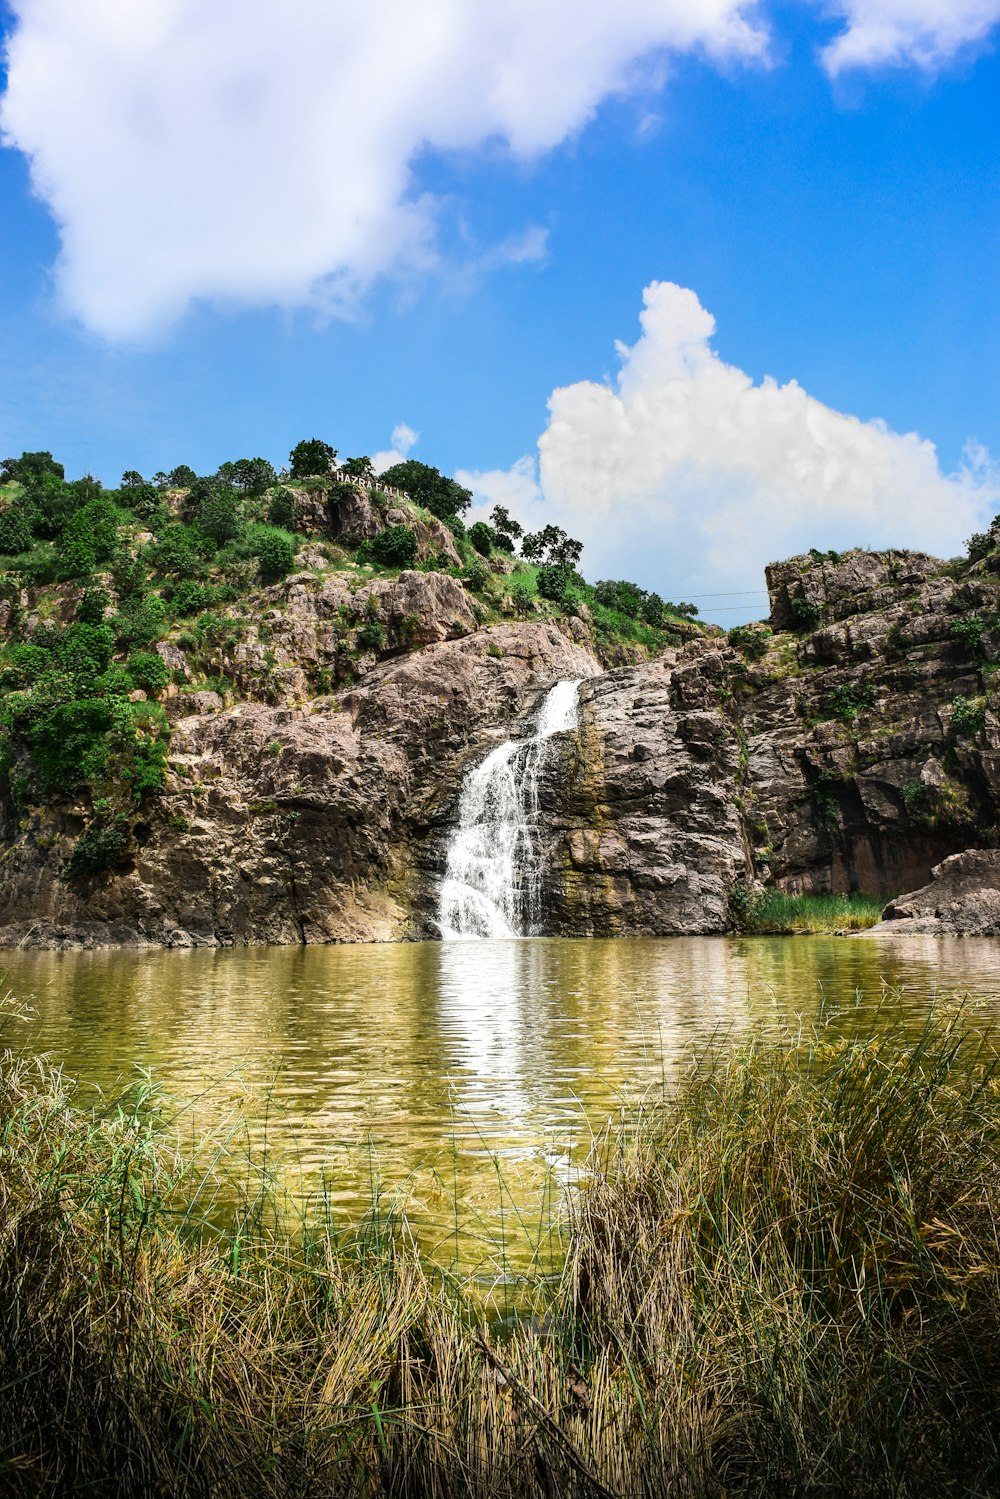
{"points": [[491, 886]]}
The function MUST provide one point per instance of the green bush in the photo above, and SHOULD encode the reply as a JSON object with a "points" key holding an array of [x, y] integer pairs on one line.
{"points": [[275, 551], [190, 597], [102, 846], [476, 576], [968, 632], [179, 552], [482, 537], [751, 641], [90, 609], [395, 546], [847, 701], [147, 671], [220, 515], [805, 615], [15, 530], [283, 510], [968, 716], [141, 621], [371, 636], [522, 592], [558, 583]]}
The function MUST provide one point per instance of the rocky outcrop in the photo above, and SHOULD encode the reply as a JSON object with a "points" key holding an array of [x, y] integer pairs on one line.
{"points": [[642, 814], [962, 900], [350, 515], [302, 824]]}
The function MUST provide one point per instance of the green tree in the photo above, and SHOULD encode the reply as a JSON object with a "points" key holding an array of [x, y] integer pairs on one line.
{"points": [[482, 537], [30, 469], [507, 531], [311, 458], [219, 514], [428, 487], [181, 477], [552, 547], [359, 469], [251, 476]]}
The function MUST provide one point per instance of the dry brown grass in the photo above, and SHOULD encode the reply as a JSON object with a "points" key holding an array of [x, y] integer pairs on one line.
{"points": [[783, 1282]]}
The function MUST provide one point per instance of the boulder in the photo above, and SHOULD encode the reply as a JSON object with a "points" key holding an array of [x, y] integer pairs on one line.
{"points": [[962, 900]]}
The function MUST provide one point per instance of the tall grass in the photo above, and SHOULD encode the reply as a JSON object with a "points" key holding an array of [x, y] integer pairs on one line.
{"points": [[783, 1280], [771, 911]]}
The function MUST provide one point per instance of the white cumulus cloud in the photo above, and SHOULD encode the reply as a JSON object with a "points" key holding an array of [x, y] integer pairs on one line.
{"points": [[925, 33], [253, 153], [688, 477], [402, 441]]}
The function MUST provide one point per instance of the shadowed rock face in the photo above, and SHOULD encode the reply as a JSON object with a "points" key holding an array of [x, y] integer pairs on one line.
{"points": [[856, 752], [963, 899]]}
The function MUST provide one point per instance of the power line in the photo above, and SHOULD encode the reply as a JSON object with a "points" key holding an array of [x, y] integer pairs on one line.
{"points": [[736, 593]]}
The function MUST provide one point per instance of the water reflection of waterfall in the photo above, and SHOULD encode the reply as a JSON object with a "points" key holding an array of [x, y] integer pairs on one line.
{"points": [[491, 886]]}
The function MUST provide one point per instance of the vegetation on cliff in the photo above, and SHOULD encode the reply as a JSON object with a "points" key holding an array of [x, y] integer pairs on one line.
{"points": [[785, 1279], [105, 594]]}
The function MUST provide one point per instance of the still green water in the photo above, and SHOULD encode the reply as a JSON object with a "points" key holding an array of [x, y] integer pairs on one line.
{"points": [[463, 1082]]}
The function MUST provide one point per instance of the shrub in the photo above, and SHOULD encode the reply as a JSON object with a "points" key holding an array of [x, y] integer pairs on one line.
{"points": [[476, 576], [141, 621], [558, 583], [522, 592], [148, 671], [100, 847], [805, 615], [179, 551], [482, 537], [847, 701], [395, 546], [371, 636], [190, 597], [968, 632], [90, 609], [968, 716], [15, 530], [751, 641], [275, 551], [283, 510]]}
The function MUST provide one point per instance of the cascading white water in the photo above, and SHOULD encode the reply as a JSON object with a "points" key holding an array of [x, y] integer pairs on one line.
{"points": [[491, 883]]}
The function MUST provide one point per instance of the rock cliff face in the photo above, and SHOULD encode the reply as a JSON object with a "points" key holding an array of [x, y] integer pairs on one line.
{"points": [[852, 744], [851, 753]]}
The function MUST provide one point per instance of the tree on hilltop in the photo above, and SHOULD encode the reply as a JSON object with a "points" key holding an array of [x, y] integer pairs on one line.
{"points": [[428, 487], [312, 458]]}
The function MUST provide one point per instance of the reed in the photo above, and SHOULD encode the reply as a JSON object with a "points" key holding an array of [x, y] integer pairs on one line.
{"points": [[779, 914], [782, 1280]]}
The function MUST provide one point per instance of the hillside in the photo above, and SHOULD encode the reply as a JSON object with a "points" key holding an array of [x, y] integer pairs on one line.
{"points": [[191, 657]]}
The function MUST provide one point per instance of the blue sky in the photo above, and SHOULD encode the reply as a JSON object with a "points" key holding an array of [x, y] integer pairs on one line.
{"points": [[836, 214]]}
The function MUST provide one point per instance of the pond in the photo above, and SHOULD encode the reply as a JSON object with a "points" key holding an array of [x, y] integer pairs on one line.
{"points": [[460, 1082]]}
